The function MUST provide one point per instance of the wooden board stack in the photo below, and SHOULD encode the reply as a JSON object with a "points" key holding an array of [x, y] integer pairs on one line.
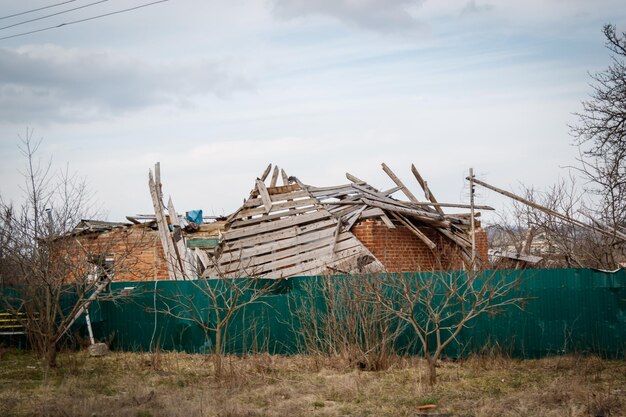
{"points": [[295, 229]]}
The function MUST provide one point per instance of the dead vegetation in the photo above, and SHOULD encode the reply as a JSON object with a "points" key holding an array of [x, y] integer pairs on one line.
{"points": [[177, 384]]}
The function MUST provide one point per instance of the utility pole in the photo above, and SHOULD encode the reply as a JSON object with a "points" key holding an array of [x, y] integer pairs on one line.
{"points": [[472, 221]]}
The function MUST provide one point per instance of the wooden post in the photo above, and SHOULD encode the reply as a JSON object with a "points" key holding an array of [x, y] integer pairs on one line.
{"points": [[472, 220]]}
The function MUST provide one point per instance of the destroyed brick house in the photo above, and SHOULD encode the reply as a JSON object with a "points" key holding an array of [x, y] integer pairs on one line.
{"points": [[291, 229]]}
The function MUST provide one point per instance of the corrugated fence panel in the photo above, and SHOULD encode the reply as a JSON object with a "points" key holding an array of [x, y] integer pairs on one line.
{"points": [[567, 310]]}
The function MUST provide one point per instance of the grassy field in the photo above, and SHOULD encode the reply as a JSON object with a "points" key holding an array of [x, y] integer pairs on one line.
{"points": [[177, 384]]}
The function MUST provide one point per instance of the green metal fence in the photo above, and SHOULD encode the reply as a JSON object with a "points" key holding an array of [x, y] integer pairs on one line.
{"points": [[566, 310]]}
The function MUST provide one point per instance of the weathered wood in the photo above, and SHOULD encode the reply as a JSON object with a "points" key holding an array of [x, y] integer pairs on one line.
{"points": [[255, 202], [390, 191], [275, 225], [336, 239], [429, 195], [298, 241], [272, 217], [162, 225], [421, 236], [387, 222], [371, 212], [266, 172], [288, 257], [310, 268], [375, 195], [424, 204], [308, 256], [275, 208], [354, 179], [178, 241], [203, 258], [399, 183], [274, 177], [285, 177], [614, 233], [354, 217], [330, 189], [265, 197], [418, 214], [254, 240]]}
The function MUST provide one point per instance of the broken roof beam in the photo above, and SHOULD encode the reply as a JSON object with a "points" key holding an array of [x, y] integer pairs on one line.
{"points": [[611, 233], [431, 245], [168, 250], [265, 196], [274, 177], [354, 179], [399, 183], [266, 172], [429, 195]]}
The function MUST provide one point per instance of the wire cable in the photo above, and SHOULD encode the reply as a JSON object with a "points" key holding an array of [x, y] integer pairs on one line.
{"points": [[35, 10], [53, 14], [82, 20]]}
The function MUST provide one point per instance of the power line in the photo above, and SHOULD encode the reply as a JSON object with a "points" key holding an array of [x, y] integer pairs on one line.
{"points": [[53, 14], [36, 10], [83, 20]]}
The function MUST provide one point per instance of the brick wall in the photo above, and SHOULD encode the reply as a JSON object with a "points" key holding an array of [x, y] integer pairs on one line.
{"points": [[399, 250], [136, 250]]}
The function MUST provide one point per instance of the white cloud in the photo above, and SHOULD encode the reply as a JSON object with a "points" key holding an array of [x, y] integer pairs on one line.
{"points": [[44, 82], [379, 15]]}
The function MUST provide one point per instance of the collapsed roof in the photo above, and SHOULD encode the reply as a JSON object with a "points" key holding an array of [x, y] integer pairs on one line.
{"points": [[296, 229]]}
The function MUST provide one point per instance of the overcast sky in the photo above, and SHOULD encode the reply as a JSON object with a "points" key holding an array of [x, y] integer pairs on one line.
{"points": [[216, 90]]}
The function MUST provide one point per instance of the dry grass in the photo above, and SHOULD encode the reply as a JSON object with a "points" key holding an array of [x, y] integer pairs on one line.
{"points": [[178, 384]]}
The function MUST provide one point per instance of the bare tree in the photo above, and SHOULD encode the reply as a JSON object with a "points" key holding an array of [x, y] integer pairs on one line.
{"points": [[333, 316], [560, 241], [437, 306], [213, 303], [601, 135], [47, 276]]}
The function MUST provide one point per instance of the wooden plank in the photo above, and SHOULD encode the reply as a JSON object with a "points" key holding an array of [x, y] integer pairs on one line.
{"points": [[315, 265], [162, 229], [272, 217], [431, 245], [390, 191], [387, 221], [266, 172], [399, 183], [343, 203], [265, 197], [418, 214], [285, 177], [275, 225], [255, 202], [424, 185], [282, 189], [375, 195], [342, 187], [274, 177], [288, 257], [255, 240], [354, 179], [178, 241], [421, 204], [336, 238], [276, 207], [354, 217], [233, 254], [311, 255], [371, 212], [610, 232], [203, 258]]}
